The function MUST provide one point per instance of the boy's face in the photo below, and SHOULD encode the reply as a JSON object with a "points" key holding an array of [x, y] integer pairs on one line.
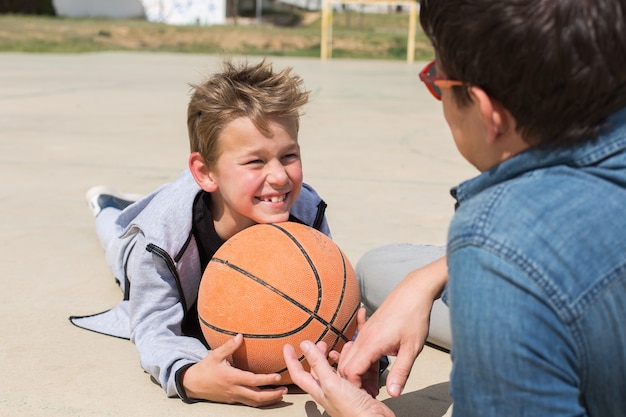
{"points": [[257, 178]]}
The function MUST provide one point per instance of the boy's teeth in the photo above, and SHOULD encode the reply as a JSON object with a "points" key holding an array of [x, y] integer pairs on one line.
{"points": [[275, 199]]}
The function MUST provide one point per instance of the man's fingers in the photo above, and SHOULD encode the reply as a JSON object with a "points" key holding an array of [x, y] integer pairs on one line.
{"points": [[290, 357], [361, 317], [399, 374], [299, 376], [317, 359], [322, 346], [352, 366]]}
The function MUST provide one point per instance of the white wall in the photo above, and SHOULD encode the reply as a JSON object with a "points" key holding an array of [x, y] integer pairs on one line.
{"points": [[186, 12], [175, 12], [115, 9], [305, 4]]}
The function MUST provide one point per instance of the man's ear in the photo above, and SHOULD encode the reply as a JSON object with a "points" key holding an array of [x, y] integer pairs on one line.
{"points": [[201, 172], [495, 117], [499, 126]]}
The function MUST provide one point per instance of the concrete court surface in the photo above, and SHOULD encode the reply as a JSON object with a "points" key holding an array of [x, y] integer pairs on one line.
{"points": [[375, 146]]}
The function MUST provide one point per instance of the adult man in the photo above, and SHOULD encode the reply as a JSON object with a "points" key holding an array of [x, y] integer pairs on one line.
{"points": [[534, 94]]}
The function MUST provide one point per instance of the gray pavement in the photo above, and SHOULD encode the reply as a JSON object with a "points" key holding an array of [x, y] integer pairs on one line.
{"points": [[375, 146]]}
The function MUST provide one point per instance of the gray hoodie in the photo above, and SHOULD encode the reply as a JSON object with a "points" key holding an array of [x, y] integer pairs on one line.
{"points": [[156, 261]]}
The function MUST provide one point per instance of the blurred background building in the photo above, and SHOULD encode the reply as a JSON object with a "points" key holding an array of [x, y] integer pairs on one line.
{"points": [[175, 12]]}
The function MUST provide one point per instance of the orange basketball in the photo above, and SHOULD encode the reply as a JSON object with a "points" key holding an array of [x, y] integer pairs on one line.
{"points": [[277, 284]]}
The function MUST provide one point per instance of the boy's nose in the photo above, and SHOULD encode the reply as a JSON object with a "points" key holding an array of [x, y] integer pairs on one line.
{"points": [[277, 174]]}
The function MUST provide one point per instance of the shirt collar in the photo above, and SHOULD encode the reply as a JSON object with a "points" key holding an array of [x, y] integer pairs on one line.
{"points": [[612, 141]]}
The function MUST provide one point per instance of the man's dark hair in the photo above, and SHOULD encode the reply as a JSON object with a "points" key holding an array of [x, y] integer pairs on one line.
{"points": [[559, 67]]}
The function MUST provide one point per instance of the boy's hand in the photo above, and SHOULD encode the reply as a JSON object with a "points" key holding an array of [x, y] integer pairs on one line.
{"points": [[215, 379]]}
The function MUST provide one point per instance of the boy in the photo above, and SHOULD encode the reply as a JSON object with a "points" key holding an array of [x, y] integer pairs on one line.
{"points": [[534, 93], [244, 168]]}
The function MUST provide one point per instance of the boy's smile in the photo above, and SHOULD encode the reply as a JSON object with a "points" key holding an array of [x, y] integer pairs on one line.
{"points": [[257, 178], [274, 199]]}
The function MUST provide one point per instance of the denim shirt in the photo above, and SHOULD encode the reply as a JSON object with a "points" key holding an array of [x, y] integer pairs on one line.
{"points": [[537, 283]]}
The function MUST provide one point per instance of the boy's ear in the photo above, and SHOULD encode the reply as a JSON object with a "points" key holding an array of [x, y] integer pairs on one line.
{"points": [[495, 117], [201, 172]]}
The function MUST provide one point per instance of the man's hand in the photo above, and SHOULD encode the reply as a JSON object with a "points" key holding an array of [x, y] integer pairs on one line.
{"points": [[398, 328], [337, 395]]}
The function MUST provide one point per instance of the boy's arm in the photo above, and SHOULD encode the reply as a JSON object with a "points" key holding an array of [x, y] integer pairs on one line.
{"points": [[156, 316], [182, 364]]}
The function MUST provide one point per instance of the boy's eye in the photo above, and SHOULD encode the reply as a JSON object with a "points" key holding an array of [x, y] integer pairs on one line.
{"points": [[254, 162], [291, 156]]}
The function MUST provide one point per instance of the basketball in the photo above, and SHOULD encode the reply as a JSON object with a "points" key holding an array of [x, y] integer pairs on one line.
{"points": [[277, 284]]}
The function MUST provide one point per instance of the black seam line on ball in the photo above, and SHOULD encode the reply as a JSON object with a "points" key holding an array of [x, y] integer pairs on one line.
{"points": [[312, 314], [339, 332], [309, 261]]}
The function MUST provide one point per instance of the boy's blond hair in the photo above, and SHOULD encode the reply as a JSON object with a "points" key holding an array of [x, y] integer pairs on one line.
{"points": [[252, 91]]}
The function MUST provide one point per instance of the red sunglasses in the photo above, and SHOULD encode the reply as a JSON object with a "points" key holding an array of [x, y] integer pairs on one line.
{"points": [[435, 83]]}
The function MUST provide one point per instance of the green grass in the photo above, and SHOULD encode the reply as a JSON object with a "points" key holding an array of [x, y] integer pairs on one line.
{"points": [[355, 35]]}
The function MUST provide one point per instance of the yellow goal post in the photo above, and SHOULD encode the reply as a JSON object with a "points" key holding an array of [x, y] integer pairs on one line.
{"points": [[326, 47]]}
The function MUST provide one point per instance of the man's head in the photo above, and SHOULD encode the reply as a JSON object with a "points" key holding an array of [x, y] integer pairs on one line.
{"points": [[559, 67]]}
